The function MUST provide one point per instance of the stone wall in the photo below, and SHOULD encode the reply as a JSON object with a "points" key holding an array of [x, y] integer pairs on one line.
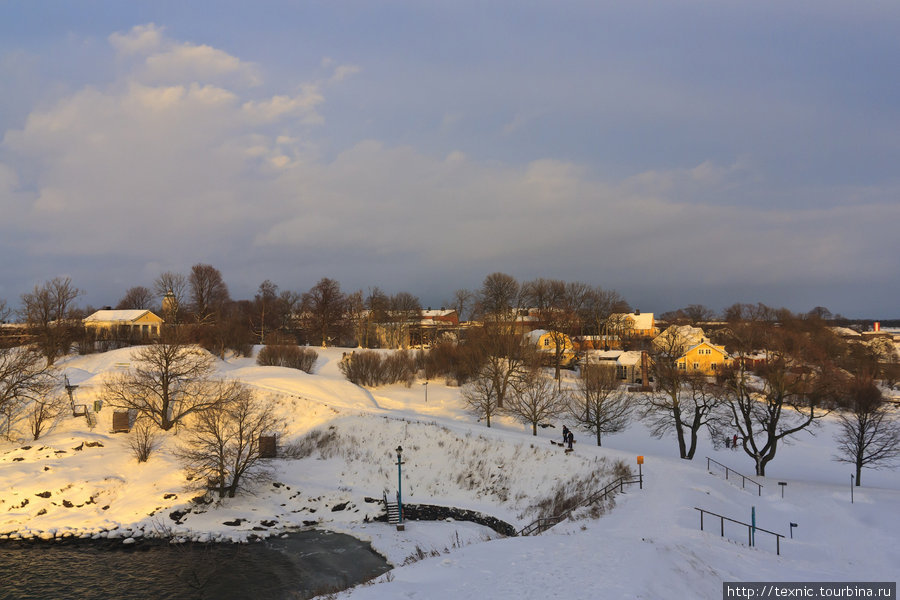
{"points": [[430, 512]]}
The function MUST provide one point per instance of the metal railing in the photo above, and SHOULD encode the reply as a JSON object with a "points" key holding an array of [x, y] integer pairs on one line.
{"points": [[543, 524], [751, 529], [744, 478]]}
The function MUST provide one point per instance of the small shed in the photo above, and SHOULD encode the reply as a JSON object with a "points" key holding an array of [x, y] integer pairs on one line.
{"points": [[121, 421], [267, 446]]}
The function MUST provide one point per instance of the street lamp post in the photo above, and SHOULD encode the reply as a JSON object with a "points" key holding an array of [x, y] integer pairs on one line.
{"points": [[426, 392], [851, 488], [399, 483]]}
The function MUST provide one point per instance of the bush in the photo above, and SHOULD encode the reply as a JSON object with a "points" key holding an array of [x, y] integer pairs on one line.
{"points": [[459, 362], [374, 368], [293, 357]]}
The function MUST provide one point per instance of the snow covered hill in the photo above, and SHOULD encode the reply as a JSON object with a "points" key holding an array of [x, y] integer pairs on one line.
{"points": [[85, 483]]}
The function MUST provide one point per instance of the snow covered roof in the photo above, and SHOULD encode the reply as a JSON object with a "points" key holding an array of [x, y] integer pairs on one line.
{"points": [[117, 316], [629, 358], [641, 321], [535, 334], [681, 335], [431, 314]]}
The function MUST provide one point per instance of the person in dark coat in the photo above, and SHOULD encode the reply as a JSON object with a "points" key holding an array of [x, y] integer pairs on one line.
{"points": [[570, 440], [566, 433]]}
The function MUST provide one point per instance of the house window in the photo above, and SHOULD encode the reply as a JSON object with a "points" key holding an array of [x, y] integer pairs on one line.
{"points": [[714, 366], [546, 341], [696, 366], [681, 366]]}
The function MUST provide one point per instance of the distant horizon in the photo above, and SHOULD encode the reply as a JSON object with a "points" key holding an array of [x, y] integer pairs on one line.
{"points": [[86, 299], [681, 153]]}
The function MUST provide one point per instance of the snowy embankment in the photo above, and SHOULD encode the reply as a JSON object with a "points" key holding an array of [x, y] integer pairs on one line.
{"points": [[78, 482]]}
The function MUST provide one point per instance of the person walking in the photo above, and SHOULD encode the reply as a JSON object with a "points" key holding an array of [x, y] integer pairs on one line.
{"points": [[566, 433], [570, 440], [734, 441]]}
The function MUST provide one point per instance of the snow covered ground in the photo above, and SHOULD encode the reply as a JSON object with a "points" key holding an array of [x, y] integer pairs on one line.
{"points": [[80, 482]]}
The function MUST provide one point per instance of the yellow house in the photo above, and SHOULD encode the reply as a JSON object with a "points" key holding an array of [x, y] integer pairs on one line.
{"points": [[546, 343], [620, 326], [131, 323], [705, 358]]}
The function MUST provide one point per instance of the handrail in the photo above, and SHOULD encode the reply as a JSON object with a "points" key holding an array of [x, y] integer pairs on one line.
{"points": [[544, 523], [744, 478], [751, 529]]}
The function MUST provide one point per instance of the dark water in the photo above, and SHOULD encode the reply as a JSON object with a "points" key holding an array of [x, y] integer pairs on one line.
{"points": [[298, 566]]}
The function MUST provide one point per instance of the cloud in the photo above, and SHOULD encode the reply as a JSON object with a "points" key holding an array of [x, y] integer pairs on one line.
{"points": [[164, 60], [162, 170], [141, 39], [341, 72]]}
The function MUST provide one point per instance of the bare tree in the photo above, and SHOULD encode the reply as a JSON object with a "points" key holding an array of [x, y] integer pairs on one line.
{"points": [[507, 358], [480, 397], [683, 402], [498, 302], [787, 395], [597, 404], [169, 381], [324, 311], [137, 297], [222, 446], [599, 307], [377, 310], [869, 433], [356, 314], [404, 309], [24, 377], [44, 412], [535, 400], [266, 315], [47, 311], [144, 440], [4, 311], [690, 314], [171, 288], [208, 292]]}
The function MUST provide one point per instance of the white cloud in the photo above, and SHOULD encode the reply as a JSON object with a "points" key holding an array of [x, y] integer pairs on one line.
{"points": [[302, 105], [343, 71], [141, 39], [188, 62]]}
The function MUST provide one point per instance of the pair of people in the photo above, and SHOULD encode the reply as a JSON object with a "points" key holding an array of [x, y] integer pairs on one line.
{"points": [[568, 437]]}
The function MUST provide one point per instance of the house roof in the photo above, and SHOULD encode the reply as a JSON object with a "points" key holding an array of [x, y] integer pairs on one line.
{"points": [[431, 314], [640, 321], [719, 349], [679, 335], [117, 316], [535, 334], [629, 358]]}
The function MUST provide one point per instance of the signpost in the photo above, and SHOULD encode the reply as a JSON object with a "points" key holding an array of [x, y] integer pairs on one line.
{"points": [[782, 484], [640, 461]]}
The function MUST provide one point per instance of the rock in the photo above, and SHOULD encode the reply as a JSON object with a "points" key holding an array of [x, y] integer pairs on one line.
{"points": [[339, 507], [128, 541]]}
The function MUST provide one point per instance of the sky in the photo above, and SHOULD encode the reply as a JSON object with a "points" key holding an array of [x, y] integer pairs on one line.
{"points": [[679, 152]]}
